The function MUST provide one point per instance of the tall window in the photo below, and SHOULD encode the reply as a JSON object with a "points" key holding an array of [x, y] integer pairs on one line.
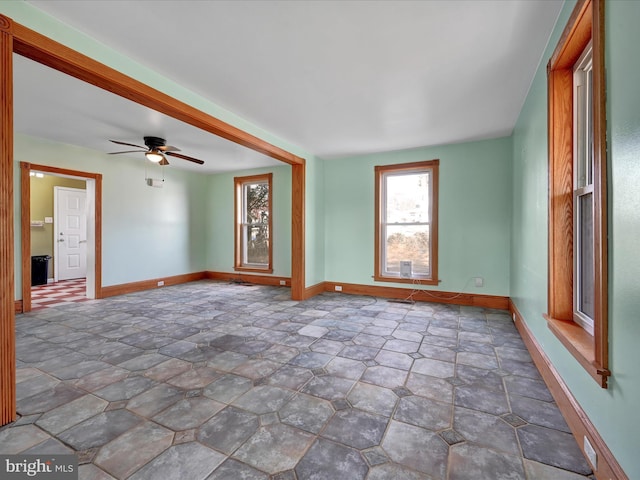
{"points": [[253, 246], [407, 222], [578, 290]]}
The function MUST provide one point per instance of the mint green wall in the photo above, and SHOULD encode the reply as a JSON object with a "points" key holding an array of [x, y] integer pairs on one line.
{"points": [[474, 215], [612, 411], [147, 232], [315, 223], [219, 219]]}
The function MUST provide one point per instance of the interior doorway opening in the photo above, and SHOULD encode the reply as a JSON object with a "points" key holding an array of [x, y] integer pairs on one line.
{"points": [[91, 243]]}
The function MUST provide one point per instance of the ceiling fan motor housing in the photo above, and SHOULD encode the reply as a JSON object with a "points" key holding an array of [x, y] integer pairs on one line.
{"points": [[154, 142]]}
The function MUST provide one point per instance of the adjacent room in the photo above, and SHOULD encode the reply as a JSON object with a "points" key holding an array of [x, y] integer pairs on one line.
{"points": [[295, 240]]}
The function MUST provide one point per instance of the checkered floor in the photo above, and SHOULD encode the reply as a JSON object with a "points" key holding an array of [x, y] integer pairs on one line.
{"points": [[59, 293]]}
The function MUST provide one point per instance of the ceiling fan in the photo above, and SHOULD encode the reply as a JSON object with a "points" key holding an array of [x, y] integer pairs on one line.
{"points": [[155, 151]]}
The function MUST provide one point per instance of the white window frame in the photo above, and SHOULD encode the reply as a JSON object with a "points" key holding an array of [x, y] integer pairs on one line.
{"points": [[583, 176]]}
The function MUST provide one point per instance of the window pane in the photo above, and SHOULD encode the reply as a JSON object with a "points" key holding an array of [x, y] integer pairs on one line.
{"points": [[256, 242], [407, 199], [585, 255], [256, 203], [407, 243]]}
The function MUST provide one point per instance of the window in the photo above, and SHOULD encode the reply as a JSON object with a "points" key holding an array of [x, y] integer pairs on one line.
{"points": [[407, 223], [253, 246], [577, 295], [583, 291]]}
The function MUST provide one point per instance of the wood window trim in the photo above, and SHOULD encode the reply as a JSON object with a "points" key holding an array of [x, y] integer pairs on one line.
{"points": [[585, 24], [379, 170], [238, 184]]}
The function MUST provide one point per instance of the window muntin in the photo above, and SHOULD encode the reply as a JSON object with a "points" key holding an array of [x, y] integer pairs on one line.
{"points": [[253, 223], [406, 221], [583, 200]]}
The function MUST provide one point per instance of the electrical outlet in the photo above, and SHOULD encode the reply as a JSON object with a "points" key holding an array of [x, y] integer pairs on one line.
{"points": [[283, 282], [161, 283], [513, 315], [479, 281], [591, 454], [338, 288]]}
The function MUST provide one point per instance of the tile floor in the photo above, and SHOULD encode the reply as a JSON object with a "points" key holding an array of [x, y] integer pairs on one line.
{"points": [[58, 293], [216, 381]]}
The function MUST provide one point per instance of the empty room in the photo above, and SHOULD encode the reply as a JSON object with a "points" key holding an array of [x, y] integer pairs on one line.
{"points": [[318, 239]]}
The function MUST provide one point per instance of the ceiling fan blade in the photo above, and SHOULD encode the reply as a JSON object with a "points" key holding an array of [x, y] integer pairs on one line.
{"points": [[126, 151], [184, 157], [168, 148], [128, 144], [163, 162]]}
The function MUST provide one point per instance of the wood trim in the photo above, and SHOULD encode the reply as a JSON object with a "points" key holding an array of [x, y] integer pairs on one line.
{"points": [[98, 234], [25, 234], [585, 24], [314, 290], [577, 32], [248, 278], [434, 165], [17, 306], [560, 134], [238, 183], [298, 225], [125, 288], [25, 206], [454, 298], [7, 278], [42, 49], [601, 298], [576, 417], [580, 344]]}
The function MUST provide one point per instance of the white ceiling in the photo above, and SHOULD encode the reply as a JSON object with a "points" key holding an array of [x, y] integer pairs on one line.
{"points": [[336, 78]]}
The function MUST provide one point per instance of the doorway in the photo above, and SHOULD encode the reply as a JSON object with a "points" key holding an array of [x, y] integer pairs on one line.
{"points": [[86, 238]]}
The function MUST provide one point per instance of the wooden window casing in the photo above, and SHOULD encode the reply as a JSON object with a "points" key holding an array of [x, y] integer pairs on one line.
{"points": [[591, 351], [407, 168], [240, 263]]}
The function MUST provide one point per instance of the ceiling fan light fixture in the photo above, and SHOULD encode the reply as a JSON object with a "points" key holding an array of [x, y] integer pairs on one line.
{"points": [[154, 157]]}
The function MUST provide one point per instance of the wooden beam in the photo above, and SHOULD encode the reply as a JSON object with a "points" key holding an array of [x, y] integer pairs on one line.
{"points": [[7, 280]]}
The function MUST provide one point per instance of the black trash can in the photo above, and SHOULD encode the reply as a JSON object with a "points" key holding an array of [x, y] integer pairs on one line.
{"points": [[39, 269]]}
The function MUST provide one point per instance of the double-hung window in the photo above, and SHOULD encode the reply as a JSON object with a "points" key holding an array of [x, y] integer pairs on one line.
{"points": [[407, 222], [253, 233], [583, 204], [578, 290]]}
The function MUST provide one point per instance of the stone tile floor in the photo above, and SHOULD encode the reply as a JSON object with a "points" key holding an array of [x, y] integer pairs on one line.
{"points": [[219, 381]]}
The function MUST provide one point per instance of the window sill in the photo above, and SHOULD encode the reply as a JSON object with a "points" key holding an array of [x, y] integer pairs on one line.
{"points": [[253, 269], [581, 345], [413, 280]]}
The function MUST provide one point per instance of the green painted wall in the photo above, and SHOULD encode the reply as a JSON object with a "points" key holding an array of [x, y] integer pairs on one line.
{"points": [[612, 411], [41, 191], [147, 232], [474, 215], [219, 219], [315, 223]]}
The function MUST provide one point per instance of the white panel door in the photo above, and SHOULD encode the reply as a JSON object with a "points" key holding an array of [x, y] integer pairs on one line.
{"points": [[70, 233]]}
